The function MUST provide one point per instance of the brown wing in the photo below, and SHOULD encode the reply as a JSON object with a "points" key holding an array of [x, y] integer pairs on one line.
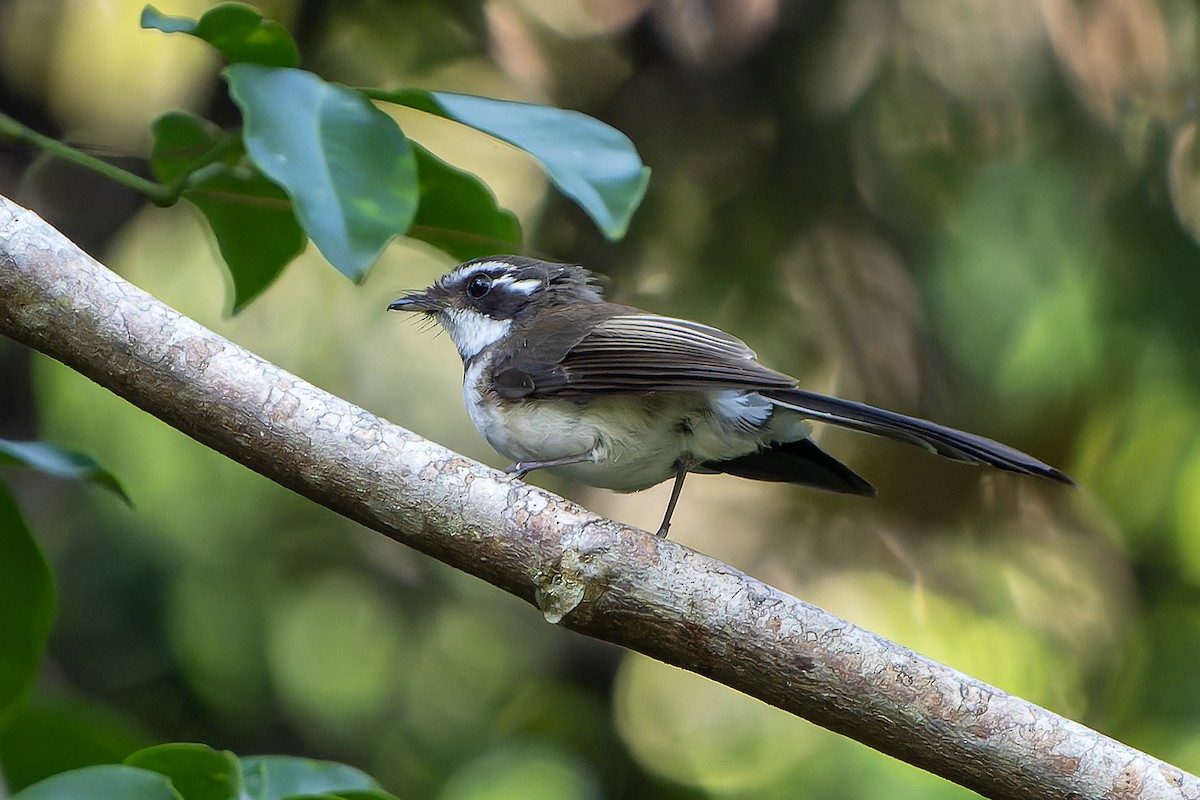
{"points": [[635, 352]]}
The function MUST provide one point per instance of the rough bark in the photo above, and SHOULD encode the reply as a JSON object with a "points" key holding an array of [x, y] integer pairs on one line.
{"points": [[589, 574]]}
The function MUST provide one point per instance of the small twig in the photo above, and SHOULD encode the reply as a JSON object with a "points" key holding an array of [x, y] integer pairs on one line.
{"points": [[15, 131], [161, 194]]}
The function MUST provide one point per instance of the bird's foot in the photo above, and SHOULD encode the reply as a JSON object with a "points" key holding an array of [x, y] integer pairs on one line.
{"points": [[518, 469]]}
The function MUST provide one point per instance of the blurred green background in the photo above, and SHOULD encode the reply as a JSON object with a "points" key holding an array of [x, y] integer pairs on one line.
{"points": [[982, 212]]}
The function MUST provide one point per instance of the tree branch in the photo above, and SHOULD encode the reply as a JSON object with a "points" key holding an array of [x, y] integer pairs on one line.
{"points": [[589, 574]]}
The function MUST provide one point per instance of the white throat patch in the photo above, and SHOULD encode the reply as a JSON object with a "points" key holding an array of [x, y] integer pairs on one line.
{"points": [[471, 331]]}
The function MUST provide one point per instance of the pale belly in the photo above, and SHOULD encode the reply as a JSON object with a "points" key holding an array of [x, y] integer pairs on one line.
{"points": [[629, 448], [633, 442]]}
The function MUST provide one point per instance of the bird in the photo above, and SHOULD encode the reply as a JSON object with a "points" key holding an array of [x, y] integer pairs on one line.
{"points": [[558, 378]]}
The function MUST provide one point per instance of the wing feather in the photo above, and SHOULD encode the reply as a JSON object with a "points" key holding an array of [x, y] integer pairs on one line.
{"points": [[639, 353]]}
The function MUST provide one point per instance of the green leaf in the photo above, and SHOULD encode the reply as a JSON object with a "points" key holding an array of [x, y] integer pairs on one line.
{"points": [[458, 213], [256, 231], [48, 736], [105, 782], [182, 143], [250, 216], [590, 162], [197, 771], [279, 777], [238, 31], [152, 18], [26, 604], [58, 462], [350, 171]]}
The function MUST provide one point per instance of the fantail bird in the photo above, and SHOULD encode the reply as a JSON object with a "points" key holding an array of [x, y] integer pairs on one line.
{"points": [[558, 378]]}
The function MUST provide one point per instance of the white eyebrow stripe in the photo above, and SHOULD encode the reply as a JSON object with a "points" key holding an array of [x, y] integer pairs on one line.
{"points": [[470, 269], [527, 286]]}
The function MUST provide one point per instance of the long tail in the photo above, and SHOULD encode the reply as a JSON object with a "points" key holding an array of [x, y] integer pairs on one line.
{"points": [[948, 442]]}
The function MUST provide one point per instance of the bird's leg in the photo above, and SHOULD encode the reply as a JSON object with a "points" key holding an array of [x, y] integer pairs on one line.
{"points": [[681, 471], [520, 469]]}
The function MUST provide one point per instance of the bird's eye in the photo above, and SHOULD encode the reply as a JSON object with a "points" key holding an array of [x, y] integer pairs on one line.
{"points": [[479, 285]]}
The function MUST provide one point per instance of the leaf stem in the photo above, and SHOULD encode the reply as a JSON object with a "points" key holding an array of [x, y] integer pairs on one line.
{"points": [[158, 193]]}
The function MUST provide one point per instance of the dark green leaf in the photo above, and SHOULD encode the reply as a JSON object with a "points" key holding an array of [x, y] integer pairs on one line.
{"points": [[348, 168], [590, 162], [278, 777], [26, 605], [256, 231], [344, 795], [58, 462], [105, 782], [181, 143], [238, 31], [458, 213], [197, 771], [251, 217], [45, 737]]}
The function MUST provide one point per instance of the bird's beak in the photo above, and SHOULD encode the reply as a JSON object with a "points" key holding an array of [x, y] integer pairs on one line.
{"points": [[417, 301]]}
